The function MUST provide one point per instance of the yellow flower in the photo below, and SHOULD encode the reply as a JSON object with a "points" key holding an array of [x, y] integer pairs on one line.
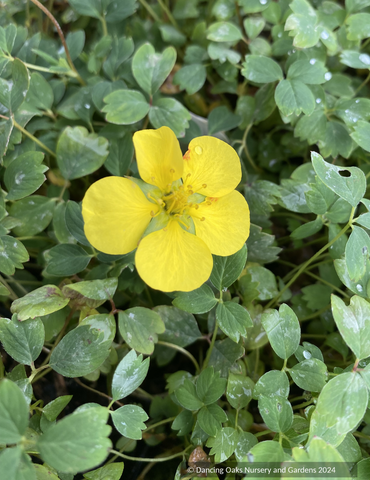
{"points": [[184, 210]]}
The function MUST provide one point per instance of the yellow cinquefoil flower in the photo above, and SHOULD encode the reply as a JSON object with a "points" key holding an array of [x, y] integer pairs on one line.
{"points": [[185, 209]]}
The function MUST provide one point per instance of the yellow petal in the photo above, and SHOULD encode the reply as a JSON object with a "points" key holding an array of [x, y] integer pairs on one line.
{"points": [[158, 156], [223, 223], [173, 259], [211, 167], [116, 214]]}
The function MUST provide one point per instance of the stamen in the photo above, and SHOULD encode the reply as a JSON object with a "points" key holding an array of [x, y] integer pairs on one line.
{"points": [[172, 170], [188, 175], [189, 186], [202, 219], [204, 185]]}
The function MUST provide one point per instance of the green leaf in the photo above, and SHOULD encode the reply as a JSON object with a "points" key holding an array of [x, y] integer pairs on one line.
{"points": [[129, 374], [120, 155], [307, 351], [34, 214], [233, 319], [24, 175], [40, 96], [183, 423], [307, 229], [88, 8], [129, 421], [78, 442], [260, 69], [355, 59], [353, 323], [358, 26], [210, 419], [227, 269], [351, 188], [223, 444], [239, 390], [80, 352], [103, 323], [246, 442], [181, 327], [80, 153], [117, 11], [222, 119], [271, 384], [7, 38], [218, 51], [122, 49], [125, 107], [277, 412], [13, 412], [357, 253], [293, 96], [12, 254], [170, 113], [66, 259], [260, 195], [361, 135], [302, 24], [223, 32], [187, 396], [224, 355], [254, 26], [39, 302], [13, 92], [92, 293], [310, 72], [336, 140], [140, 328], [267, 286], [201, 300], [75, 222], [356, 5], [210, 387], [54, 408], [191, 78], [260, 247], [341, 406], [283, 330], [23, 341], [351, 111], [151, 69], [110, 471], [310, 374]]}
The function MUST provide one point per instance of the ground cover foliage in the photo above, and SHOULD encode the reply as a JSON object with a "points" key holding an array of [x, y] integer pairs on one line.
{"points": [[272, 353]]}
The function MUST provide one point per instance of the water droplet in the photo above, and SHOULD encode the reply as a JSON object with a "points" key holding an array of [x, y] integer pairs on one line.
{"points": [[324, 35], [328, 76], [307, 354], [263, 2], [313, 61], [198, 150], [357, 101], [364, 250], [364, 58], [359, 287], [318, 100], [278, 406], [250, 457]]}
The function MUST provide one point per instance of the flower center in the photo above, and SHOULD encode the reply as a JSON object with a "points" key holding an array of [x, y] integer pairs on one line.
{"points": [[176, 202]]}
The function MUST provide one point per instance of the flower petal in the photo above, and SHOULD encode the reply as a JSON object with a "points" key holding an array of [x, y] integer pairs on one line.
{"points": [[116, 214], [226, 223], [173, 259], [158, 156], [211, 167]]}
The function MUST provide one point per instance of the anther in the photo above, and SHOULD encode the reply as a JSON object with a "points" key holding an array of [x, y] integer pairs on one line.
{"points": [[196, 206], [189, 186], [202, 219], [188, 175], [152, 213], [208, 203], [172, 170], [204, 185], [190, 192]]}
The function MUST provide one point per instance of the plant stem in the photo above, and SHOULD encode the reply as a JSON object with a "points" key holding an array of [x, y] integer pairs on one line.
{"points": [[34, 139], [61, 36], [102, 394], [264, 432], [168, 13], [35, 372], [362, 85], [183, 351], [208, 356], [315, 314], [104, 25], [150, 10], [317, 254], [151, 460], [12, 295], [246, 151]]}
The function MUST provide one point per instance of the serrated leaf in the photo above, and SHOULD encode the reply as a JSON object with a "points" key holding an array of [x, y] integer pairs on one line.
{"points": [[13, 92], [227, 269], [233, 320], [23, 341], [187, 396], [210, 387], [12, 254], [181, 327], [34, 214], [271, 384], [239, 390], [151, 69], [129, 421], [302, 24], [283, 330], [351, 188], [14, 412], [224, 355], [294, 97], [201, 300], [25, 175], [223, 444], [129, 374], [125, 107], [170, 113], [78, 442], [66, 259], [191, 78], [310, 72], [222, 119], [39, 302], [276, 412], [210, 419], [140, 328], [261, 69]]}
